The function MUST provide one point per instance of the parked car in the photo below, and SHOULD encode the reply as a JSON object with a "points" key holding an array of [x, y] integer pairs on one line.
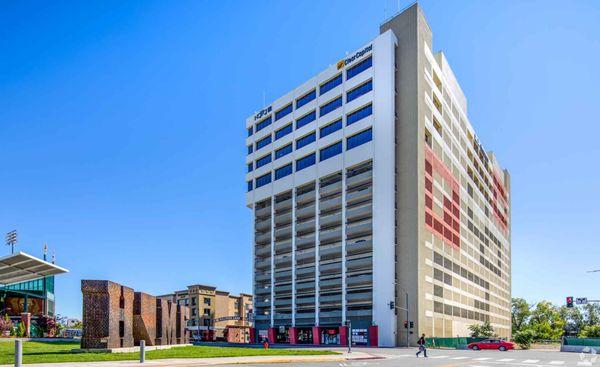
{"points": [[492, 344]]}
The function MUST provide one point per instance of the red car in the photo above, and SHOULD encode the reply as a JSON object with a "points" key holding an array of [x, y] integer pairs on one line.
{"points": [[492, 344]]}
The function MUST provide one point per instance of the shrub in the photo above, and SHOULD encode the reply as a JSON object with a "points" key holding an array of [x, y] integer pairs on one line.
{"points": [[6, 326], [591, 331], [524, 338], [47, 325]]}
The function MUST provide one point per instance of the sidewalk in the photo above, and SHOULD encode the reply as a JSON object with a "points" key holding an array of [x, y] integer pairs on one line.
{"points": [[190, 362]]}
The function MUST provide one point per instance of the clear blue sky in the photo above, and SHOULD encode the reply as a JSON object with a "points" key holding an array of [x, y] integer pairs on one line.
{"points": [[122, 128]]}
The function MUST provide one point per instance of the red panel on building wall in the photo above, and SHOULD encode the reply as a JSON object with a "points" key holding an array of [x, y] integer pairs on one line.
{"points": [[446, 227], [343, 335], [373, 335], [293, 333], [316, 335], [272, 335], [252, 335]]}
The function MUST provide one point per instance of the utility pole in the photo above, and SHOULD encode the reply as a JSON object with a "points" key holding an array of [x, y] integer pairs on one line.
{"points": [[393, 306]]}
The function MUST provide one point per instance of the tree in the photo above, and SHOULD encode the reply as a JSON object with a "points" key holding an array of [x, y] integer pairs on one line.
{"points": [[524, 338], [574, 319], [546, 322], [484, 330], [521, 310], [592, 314], [590, 331]]}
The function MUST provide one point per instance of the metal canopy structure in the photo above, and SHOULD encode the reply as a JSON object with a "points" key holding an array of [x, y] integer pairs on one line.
{"points": [[22, 267]]}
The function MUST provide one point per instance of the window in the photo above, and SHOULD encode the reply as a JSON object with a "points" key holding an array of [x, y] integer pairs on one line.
{"points": [[283, 171], [250, 131], [359, 139], [207, 312], [264, 123], [302, 142], [263, 180], [283, 112], [283, 131], [193, 301], [330, 106], [283, 151], [359, 91], [306, 98], [264, 160], [358, 68], [307, 161], [329, 85], [331, 128], [306, 119], [359, 114], [193, 312], [330, 151], [263, 142], [249, 149], [250, 167], [207, 301]]}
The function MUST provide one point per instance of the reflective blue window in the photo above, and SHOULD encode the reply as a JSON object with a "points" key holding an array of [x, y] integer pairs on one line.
{"points": [[283, 112], [263, 180], [307, 161], [263, 142], [250, 167], [306, 119], [358, 68], [283, 131], [264, 160], [249, 149], [250, 131], [306, 98], [264, 123], [359, 115], [331, 128], [249, 185], [329, 85], [328, 107], [359, 91], [283, 171], [330, 151], [359, 139], [305, 140], [283, 151]]}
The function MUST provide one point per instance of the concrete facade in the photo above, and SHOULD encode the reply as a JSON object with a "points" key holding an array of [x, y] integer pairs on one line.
{"points": [[369, 186]]}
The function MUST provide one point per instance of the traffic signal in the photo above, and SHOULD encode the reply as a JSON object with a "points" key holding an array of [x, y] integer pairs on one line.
{"points": [[570, 302], [412, 325], [392, 305], [405, 324]]}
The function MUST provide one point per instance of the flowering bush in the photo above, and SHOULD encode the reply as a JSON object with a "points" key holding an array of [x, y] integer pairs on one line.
{"points": [[6, 325], [47, 325]]}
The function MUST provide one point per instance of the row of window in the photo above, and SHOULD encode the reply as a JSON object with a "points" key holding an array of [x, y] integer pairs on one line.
{"points": [[309, 160], [323, 88], [307, 139], [310, 117]]}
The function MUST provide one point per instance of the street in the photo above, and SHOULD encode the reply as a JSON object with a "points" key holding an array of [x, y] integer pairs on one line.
{"points": [[460, 358]]}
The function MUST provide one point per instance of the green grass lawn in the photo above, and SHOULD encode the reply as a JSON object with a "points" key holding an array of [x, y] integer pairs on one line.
{"points": [[38, 352]]}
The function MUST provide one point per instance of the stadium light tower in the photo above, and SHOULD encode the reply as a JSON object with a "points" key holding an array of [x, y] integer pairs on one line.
{"points": [[11, 240]]}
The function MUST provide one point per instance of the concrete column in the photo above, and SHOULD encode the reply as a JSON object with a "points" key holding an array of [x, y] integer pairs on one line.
{"points": [[293, 332], [293, 257], [272, 298], [343, 335]]}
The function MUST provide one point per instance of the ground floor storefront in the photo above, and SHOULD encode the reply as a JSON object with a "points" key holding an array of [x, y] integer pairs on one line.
{"points": [[315, 335]]}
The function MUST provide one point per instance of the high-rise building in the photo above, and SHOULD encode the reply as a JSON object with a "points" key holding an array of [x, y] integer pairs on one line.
{"points": [[372, 194]]}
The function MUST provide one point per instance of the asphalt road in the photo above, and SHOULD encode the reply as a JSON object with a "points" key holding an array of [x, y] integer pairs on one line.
{"points": [[463, 358]]}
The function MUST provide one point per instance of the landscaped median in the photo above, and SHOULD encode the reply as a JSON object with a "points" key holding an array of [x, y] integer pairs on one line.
{"points": [[54, 352]]}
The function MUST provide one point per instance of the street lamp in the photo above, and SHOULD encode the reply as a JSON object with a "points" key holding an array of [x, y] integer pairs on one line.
{"points": [[11, 240]]}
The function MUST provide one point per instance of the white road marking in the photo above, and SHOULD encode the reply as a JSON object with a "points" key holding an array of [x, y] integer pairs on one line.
{"points": [[481, 359], [556, 363], [460, 358], [438, 357], [531, 361], [506, 359]]}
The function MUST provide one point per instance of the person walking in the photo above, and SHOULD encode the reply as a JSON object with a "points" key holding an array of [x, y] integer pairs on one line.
{"points": [[421, 343]]}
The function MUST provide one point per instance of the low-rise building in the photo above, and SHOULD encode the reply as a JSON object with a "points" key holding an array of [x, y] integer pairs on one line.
{"points": [[215, 314]]}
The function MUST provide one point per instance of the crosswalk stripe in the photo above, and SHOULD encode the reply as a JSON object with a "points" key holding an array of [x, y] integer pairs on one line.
{"points": [[531, 361], [506, 359], [556, 363], [438, 357], [460, 358], [481, 359]]}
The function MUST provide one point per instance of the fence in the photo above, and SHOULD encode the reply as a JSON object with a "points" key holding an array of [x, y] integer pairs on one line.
{"points": [[451, 343], [586, 342]]}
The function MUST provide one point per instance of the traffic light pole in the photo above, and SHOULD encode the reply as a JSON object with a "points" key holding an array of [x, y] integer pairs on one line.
{"points": [[407, 320]]}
